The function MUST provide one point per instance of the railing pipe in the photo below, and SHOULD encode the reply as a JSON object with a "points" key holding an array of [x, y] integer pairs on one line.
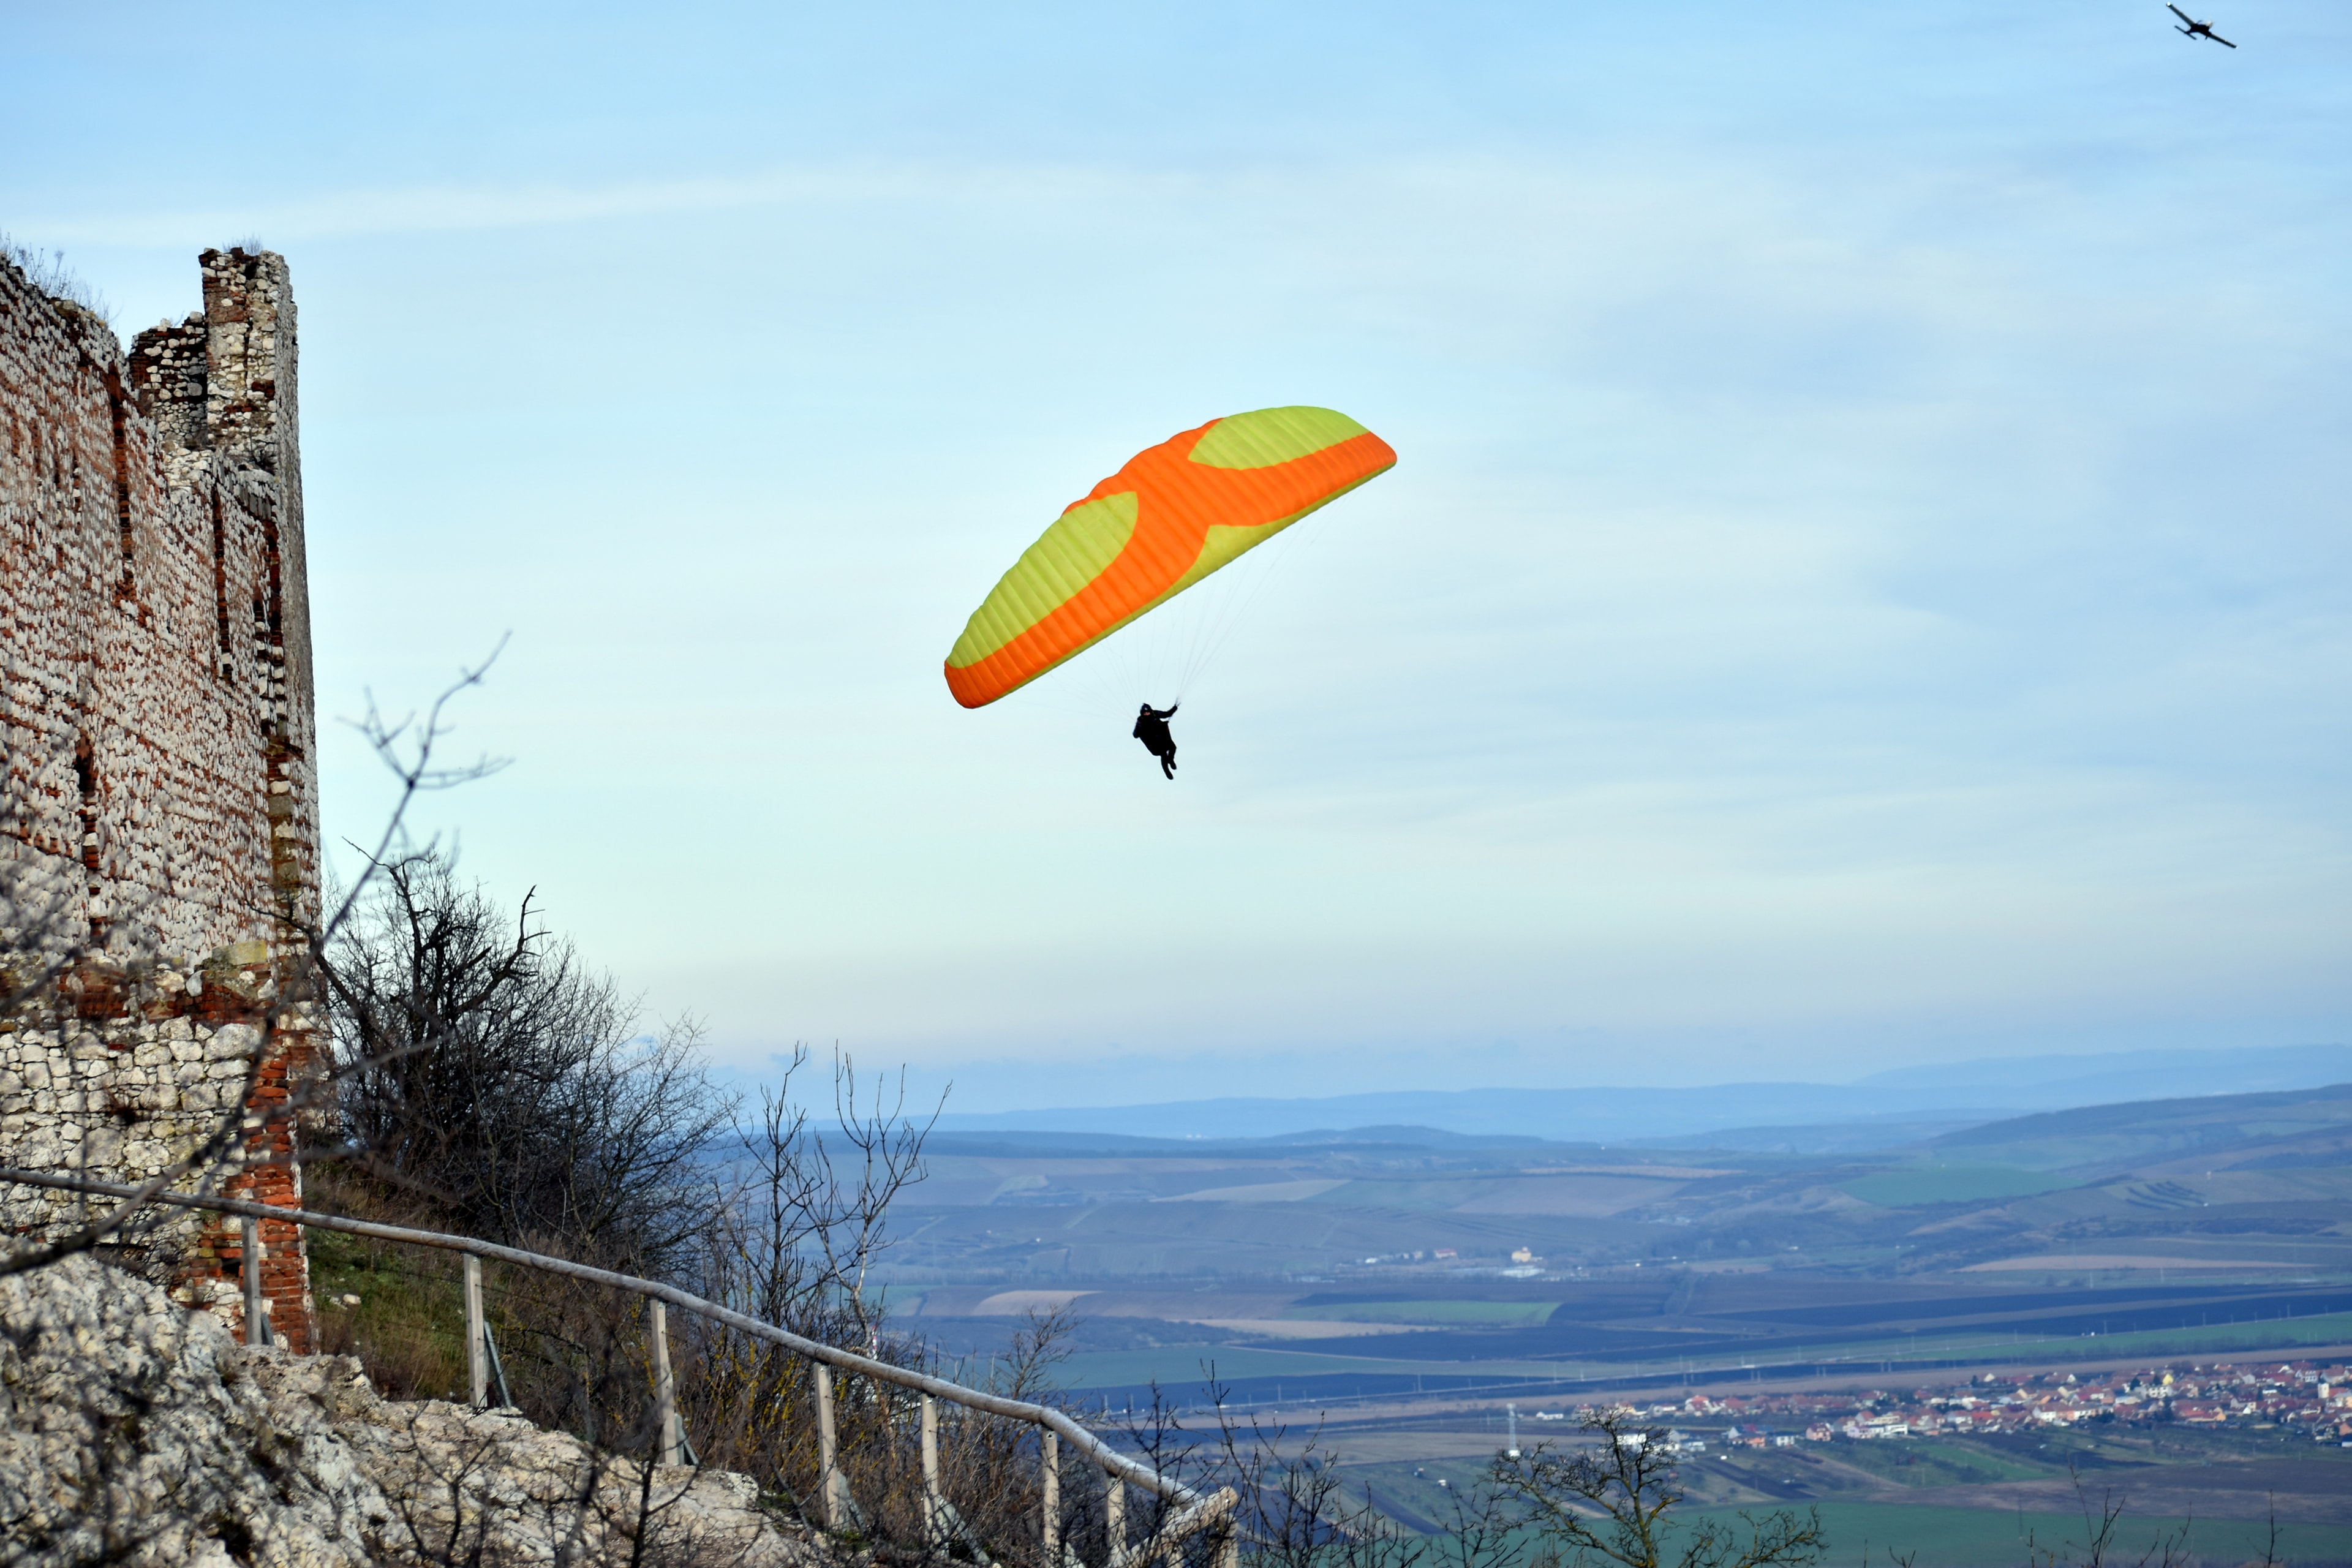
{"points": [[498, 1367]]}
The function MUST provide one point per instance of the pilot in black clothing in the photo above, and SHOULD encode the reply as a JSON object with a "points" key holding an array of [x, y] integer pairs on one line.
{"points": [[1151, 729]]}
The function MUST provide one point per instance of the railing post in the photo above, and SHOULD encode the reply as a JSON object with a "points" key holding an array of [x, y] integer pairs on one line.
{"points": [[1050, 1526], [1227, 1553], [672, 1442], [1115, 1516], [828, 1452], [935, 1525], [257, 1311], [477, 1365]]}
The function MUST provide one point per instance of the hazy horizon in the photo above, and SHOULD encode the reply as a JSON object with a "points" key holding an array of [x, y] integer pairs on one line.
{"points": [[2024, 1084]]}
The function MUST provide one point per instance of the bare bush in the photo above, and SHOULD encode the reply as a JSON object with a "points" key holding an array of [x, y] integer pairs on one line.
{"points": [[489, 1081], [46, 271]]}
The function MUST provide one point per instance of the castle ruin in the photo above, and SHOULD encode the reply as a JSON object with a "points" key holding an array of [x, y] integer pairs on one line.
{"points": [[158, 840]]}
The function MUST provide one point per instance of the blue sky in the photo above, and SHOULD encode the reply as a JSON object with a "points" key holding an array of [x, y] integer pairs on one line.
{"points": [[1865, 583]]}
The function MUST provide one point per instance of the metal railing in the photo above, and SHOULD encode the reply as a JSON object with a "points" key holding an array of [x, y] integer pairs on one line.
{"points": [[1193, 1512]]}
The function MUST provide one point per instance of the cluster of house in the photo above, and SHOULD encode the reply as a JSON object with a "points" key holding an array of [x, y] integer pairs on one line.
{"points": [[2302, 1397]]}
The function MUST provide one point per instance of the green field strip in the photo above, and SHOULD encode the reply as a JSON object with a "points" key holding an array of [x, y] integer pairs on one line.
{"points": [[1861, 1359], [1940, 1535], [2267, 1334], [1182, 1363], [1996, 1538]]}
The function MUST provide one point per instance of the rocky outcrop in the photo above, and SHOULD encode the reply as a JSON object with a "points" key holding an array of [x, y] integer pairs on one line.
{"points": [[134, 1431]]}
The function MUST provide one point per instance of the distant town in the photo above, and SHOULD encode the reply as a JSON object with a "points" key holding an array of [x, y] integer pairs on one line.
{"points": [[2298, 1396]]}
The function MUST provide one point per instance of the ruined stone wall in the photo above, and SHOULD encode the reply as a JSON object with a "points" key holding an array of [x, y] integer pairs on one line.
{"points": [[159, 863]]}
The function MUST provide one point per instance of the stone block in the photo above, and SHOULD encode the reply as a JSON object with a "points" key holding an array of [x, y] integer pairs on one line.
{"points": [[237, 1042]]}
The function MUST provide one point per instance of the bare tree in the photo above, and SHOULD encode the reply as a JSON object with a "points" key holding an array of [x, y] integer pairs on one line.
{"points": [[1295, 1505], [808, 1210], [1609, 1501], [1297, 1508], [1487, 1527]]}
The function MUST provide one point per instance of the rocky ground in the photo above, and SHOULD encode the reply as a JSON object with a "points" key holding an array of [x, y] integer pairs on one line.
{"points": [[134, 1431]]}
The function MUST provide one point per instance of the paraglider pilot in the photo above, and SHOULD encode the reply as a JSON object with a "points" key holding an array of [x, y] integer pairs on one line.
{"points": [[1151, 729]]}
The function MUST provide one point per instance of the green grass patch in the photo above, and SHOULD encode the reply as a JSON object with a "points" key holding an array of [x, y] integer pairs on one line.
{"points": [[1513, 1313], [1996, 1538], [1949, 1185], [2270, 1334], [1861, 1534], [408, 1323], [1933, 1462]]}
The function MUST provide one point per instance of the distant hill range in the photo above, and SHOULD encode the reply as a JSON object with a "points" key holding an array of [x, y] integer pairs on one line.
{"points": [[2174, 1203], [1901, 1107]]}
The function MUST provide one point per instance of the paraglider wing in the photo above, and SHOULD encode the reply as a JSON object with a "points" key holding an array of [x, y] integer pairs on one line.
{"points": [[1175, 513]]}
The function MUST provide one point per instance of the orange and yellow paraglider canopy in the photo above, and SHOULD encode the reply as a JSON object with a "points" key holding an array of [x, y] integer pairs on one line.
{"points": [[1175, 513]]}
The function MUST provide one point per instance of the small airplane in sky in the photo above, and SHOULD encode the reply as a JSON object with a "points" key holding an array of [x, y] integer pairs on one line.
{"points": [[2195, 29]]}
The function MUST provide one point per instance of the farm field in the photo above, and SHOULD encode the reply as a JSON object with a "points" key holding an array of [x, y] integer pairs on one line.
{"points": [[2213, 1226], [1310, 1377], [1958, 1502], [1677, 1327], [1427, 1313], [2225, 1187], [1405, 1296], [1944, 1534], [1946, 1537], [1942, 1184]]}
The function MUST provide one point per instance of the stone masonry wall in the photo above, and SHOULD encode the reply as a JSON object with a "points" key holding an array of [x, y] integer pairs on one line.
{"points": [[158, 852]]}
